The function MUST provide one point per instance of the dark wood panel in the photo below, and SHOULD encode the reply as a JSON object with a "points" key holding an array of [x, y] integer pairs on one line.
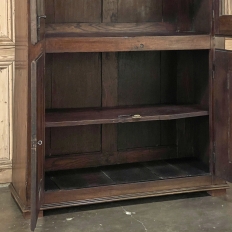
{"points": [[225, 25], [115, 44], [74, 179], [76, 80], [147, 154], [139, 78], [139, 11], [164, 170], [203, 15], [68, 140], [69, 117], [222, 112], [126, 173], [64, 162], [185, 137], [137, 135], [77, 11]]}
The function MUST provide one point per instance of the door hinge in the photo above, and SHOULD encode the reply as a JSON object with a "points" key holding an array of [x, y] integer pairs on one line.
{"points": [[38, 20], [213, 14]]}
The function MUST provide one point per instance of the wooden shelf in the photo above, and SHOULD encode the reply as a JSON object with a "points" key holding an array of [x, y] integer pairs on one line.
{"points": [[113, 37], [69, 117], [124, 174]]}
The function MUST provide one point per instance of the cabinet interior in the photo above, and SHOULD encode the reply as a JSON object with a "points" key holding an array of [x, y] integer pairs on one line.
{"points": [[93, 137], [88, 82]]}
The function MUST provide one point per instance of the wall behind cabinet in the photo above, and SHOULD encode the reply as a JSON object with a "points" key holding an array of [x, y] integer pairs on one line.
{"points": [[7, 54]]}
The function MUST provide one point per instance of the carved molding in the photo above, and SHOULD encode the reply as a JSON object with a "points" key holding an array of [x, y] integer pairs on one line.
{"points": [[7, 32]]}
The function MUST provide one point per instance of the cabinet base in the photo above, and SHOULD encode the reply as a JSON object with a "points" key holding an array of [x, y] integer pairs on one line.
{"points": [[217, 193], [213, 190]]}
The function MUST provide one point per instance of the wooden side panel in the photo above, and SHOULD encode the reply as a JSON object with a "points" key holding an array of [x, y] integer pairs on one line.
{"points": [[20, 99], [222, 112]]}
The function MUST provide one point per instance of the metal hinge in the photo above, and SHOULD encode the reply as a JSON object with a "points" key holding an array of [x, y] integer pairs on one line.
{"points": [[213, 14], [38, 20]]}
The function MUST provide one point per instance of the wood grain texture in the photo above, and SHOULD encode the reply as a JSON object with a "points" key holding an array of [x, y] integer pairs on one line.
{"points": [[114, 44], [76, 80]]}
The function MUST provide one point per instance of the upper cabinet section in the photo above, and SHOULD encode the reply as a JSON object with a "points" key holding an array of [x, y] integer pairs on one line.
{"points": [[121, 23], [223, 17]]}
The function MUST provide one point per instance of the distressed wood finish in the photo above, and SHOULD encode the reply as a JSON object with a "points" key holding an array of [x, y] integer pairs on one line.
{"points": [[128, 86]]}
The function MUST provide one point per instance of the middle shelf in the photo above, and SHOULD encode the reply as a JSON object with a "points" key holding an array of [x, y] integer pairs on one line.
{"points": [[75, 117], [112, 37]]}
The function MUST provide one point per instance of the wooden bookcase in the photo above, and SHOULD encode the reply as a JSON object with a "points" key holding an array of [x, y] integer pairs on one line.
{"points": [[120, 99]]}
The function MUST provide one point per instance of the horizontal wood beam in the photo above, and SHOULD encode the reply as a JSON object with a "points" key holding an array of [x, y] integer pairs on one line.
{"points": [[116, 44]]}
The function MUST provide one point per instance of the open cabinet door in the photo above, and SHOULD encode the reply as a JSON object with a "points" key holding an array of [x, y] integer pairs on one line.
{"points": [[37, 26], [37, 137], [222, 107]]}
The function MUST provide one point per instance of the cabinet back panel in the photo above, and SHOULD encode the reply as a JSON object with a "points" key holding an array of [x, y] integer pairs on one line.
{"points": [[187, 15], [74, 140], [71, 11], [138, 78], [76, 80], [138, 135], [139, 11]]}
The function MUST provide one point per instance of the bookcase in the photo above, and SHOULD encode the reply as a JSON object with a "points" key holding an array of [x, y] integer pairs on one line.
{"points": [[120, 99]]}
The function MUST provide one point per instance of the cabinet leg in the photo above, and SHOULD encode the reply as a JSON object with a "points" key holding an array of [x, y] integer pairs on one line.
{"points": [[217, 193], [27, 215]]}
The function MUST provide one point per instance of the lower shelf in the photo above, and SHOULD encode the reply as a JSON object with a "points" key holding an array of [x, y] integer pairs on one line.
{"points": [[124, 174]]}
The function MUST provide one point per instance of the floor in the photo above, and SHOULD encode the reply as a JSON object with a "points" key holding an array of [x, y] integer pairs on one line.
{"points": [[187, 212]]}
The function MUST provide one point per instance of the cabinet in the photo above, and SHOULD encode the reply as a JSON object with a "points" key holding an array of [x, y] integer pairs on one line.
{"points": [[119, 100]]}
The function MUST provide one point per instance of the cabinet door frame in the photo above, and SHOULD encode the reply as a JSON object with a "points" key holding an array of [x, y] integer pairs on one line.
{"points": [[37, 137]]}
